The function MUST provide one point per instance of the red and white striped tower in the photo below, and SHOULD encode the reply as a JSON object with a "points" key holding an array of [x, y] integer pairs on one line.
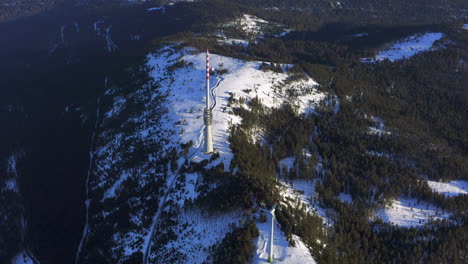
{"points": [[208, 115]]}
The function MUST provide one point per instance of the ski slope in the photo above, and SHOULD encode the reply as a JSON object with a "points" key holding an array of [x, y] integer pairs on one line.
{"points": [[282, 252], [406, 48]]}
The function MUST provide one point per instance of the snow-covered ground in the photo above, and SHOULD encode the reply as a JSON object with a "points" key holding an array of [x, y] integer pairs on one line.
{"points": [[254, 27], [408, 47], [11, 183], [162, 8], [407, 212], [345, 198], [243, 79], [303, 192], [453, 188], [251, 24], [22, 258], [359, 35], [204, 230], [378, 153], [161, 126], [233, 41], [282, 252], [378, 128]]}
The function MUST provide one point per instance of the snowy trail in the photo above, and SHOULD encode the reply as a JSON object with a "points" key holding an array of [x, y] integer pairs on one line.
{"points": [[156, 218], [213, 93], [88, 200]]}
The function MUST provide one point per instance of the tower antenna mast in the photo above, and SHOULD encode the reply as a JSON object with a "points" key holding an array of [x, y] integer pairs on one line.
{"points": [[208, 114]]}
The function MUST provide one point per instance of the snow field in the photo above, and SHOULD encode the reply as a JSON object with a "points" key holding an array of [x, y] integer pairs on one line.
{"points": [[450, 189], [407, 212], [407, 48]]}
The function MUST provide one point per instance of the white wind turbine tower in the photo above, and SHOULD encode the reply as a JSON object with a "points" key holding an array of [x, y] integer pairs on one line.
{"points": [[272, 213]]}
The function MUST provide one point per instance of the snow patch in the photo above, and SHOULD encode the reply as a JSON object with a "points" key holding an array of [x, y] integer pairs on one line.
{"points": [[450, 189], [251, 24], [10, 185], [287, 163], [203, 231], [22, 258], [378, 153], [156, 8], [234, 41], [378, 128], [465, 26], [408, 212], [359, 35], [254, 27], [345, 198], [407, 48]]}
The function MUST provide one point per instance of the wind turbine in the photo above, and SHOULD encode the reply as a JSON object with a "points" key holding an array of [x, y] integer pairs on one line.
{"points": [[272, 213]]}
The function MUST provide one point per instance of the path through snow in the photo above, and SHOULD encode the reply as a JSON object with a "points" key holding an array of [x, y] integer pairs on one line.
{"points": [[88, 199]]}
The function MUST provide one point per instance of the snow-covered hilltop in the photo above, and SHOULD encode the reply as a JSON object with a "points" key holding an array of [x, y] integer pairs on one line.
{"points": [[140, 192]]}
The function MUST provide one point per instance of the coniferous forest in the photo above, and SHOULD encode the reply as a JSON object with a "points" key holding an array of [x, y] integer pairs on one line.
{"points": [[422, 100]]}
